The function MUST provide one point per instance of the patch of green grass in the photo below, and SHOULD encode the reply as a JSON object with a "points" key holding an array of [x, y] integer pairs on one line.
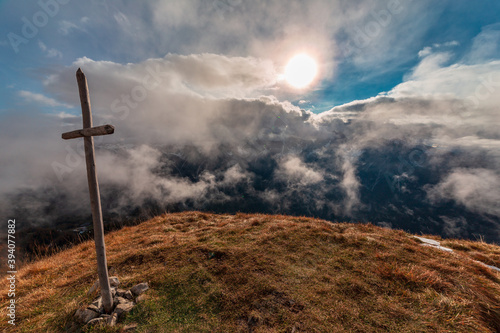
{"points": [[178, 304]]}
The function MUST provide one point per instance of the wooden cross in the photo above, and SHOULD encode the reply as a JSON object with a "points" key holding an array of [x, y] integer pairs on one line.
{"points": [[88, 132]]}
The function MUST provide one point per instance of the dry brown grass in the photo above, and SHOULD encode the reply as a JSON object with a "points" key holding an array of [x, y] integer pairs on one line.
{"points": [[260, 273]]}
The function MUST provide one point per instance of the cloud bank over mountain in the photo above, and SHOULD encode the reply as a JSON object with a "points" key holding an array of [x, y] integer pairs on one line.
{"points": [[204, 119], [206, 131]]}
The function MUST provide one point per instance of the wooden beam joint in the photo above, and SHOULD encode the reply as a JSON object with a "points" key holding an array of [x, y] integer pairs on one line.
{"points": [[88, 132]]}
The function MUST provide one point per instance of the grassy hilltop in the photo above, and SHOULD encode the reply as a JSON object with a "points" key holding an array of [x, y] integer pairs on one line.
{"points": [[261, 273]]}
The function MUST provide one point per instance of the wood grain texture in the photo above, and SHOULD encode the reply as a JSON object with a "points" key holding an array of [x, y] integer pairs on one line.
{"points": [[95, 197], [87, 132]]}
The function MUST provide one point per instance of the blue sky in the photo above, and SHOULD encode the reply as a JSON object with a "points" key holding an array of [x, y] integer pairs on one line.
{"points": [[209, 74], [364, 47]]}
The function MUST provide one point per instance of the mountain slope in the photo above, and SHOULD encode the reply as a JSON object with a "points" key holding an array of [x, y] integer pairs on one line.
{"points": [[261, 273]]}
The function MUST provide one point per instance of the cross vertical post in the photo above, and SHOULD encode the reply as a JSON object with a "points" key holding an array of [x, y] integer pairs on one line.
{"points": [[95, 198]]}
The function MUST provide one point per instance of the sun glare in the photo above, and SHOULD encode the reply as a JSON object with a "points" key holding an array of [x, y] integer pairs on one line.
{"points": [[300, 71]]}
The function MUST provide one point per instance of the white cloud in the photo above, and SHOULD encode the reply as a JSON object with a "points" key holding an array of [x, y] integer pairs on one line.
{"points": [[122, 19], [176, 12], [294, 170], [449, 106], [203, 75], [65, 115], [49, 52], [425, 52], [213, 101], [203, 99], [135, 170], [476, 189], [386, 33], [452, 43], [133, 30], [350, 182], [428, 50], [40, 100], [477, 84], [66, 27], [236, 174], [475, 79], [486, 45]]}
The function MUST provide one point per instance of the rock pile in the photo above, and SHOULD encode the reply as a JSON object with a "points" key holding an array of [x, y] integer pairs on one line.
{"points": [[123, 302]]}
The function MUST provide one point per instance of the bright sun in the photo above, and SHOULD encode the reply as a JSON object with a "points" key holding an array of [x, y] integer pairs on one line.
{"points": [[300, 71]]}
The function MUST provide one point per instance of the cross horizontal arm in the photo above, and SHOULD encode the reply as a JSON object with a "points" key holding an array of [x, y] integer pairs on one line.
{"points": [[86, 132]]}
